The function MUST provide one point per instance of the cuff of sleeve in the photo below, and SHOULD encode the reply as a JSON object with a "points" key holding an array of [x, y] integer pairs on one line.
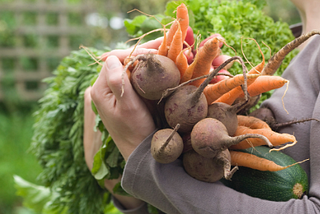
{"points": [[133, 163], [142, 209]]}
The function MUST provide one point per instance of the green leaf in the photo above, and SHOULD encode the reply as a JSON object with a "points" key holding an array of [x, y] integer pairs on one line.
{"points": [[35, 196], [118, 190], [134, 25], [112, 159], [98, 163]]}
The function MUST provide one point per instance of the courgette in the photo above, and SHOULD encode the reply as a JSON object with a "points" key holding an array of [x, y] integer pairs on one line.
{"points": [[281, 185]]}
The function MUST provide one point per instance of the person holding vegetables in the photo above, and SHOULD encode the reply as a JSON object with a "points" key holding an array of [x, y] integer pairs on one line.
{"points": [[167, 186]]}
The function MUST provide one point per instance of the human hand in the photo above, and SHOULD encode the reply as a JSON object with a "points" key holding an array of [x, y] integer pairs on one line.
{"points": [[148, 47], [91, 140], [92, 143], [126, 117]]}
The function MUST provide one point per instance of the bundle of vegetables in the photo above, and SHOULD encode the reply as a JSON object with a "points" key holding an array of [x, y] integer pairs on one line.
{"points": [[197, 124], [58, 128]]}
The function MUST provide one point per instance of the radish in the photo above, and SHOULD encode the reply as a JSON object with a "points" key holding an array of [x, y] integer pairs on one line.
{"points": [[210, 37], [221, 75], [209, 137], [220, 59], [153, 74], [189, 55], [189, 37]]}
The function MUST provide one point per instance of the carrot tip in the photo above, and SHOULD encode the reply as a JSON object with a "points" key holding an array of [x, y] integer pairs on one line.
{"points": [[284, 147]]}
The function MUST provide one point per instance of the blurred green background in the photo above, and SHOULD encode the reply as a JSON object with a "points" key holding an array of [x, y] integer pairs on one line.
{"points": [[104, 27]]}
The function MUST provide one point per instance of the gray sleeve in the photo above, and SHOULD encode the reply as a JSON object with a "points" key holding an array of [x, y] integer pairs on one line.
{"points": [[143, 209], [169, 188]]}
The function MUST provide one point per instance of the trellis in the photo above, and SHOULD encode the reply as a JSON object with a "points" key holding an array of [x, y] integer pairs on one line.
{"points": [[29, 64]]}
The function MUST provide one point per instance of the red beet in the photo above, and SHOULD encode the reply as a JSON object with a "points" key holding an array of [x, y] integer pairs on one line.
{"points": [[153, 75]]}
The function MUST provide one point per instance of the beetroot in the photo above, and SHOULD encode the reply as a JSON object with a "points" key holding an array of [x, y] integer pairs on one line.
{"points": [[208, 169], [186, 106], [209, 137], [226, 114], [166, 145], [153, 74]]}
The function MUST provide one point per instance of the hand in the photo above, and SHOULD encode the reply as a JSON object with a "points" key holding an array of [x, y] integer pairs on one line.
{"points": [[91, 140], [92, 143], [148, 47], [126, 117]]}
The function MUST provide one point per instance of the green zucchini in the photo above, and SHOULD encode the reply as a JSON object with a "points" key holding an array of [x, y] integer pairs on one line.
{"points": [[274, 186]]}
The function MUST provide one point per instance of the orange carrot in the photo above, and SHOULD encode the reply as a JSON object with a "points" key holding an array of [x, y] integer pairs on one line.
{"points": [[214, 91], [265, 83], [176, 45], [171, 32], [254, 162], [183, 18], [252, 122], [187, 75], [276, 60], [232, 95], [275, 138], [182, 63], [163, 48], [203, 59]]}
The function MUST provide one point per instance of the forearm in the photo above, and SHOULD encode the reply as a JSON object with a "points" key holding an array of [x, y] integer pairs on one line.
{"points": [[169, 188]]}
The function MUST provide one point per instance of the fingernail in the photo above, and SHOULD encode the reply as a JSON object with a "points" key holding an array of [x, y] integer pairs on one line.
{"points": [[113, 62]]}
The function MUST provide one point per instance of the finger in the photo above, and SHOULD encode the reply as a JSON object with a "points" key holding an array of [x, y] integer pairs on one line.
{"points": [[122, 54], [115, 75], [100, 89], [153, 44]]}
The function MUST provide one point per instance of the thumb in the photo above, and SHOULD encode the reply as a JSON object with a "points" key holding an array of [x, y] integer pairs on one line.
{"points": [[115, 75]]}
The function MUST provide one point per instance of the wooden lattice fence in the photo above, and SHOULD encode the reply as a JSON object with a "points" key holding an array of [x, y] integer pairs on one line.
{"points": [[42, 33]]}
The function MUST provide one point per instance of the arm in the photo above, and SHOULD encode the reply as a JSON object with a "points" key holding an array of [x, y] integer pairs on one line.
{"points": [[167, 186], [120, 114], [174, 191], [92, 142]]}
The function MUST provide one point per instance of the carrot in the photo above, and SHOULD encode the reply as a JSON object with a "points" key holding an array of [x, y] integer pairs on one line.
{"points": [[214, 91], [265, 83], [182, 62], [230, 96], [203, 59], [176, 45], [188, 72], [254, 162], [163, 48], [276, 60], [275, 138], [182, 17], [172, 32], [252, 122]]}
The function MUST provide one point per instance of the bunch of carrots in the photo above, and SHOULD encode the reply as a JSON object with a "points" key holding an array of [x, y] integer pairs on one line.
{"points": [[205, 66]]}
